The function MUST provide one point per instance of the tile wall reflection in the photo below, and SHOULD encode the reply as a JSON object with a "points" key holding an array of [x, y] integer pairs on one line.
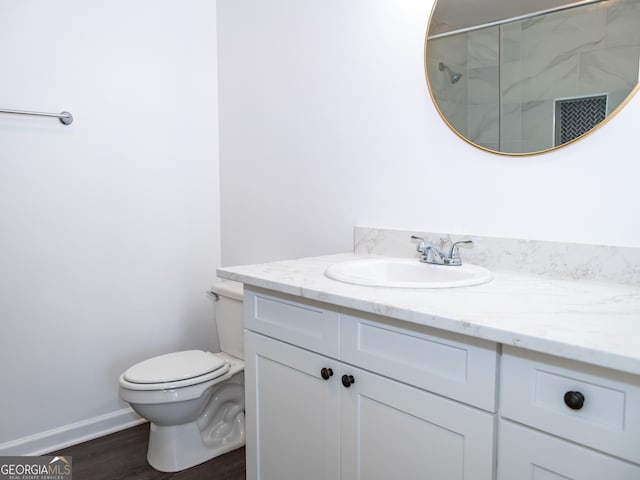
{"points": [[529, 64]]}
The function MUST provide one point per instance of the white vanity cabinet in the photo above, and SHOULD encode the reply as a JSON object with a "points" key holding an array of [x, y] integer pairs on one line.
{"points": [[334, 394], [293, 415], [566, 420]]}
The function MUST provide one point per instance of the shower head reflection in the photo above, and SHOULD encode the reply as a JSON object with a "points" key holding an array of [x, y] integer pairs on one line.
{"points": [[453, 76]]}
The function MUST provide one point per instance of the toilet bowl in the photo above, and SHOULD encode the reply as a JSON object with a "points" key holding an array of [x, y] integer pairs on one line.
{"points": [[193, 399]]}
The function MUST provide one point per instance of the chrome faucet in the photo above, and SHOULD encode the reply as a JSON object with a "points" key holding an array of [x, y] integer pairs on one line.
{"points": [[429, 253]]}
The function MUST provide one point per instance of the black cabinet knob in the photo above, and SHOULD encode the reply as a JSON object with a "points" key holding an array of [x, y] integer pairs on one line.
{"points": [[326, 373], [574, 400], [348, 380]]}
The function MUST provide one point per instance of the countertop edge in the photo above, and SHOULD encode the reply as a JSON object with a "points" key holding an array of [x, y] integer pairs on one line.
{"points": [[513, 337]]}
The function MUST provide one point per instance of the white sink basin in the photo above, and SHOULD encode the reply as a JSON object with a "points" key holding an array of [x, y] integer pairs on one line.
{"points": [[407, 273]]}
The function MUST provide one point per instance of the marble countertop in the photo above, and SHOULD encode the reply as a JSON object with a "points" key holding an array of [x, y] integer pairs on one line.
{"points": [[589, 321]]}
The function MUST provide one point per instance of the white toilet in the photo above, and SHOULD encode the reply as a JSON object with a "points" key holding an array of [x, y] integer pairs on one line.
{"points": [[194, 399]]}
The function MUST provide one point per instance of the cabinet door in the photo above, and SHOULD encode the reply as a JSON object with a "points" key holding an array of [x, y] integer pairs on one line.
{"points": [[527, 454], [391, 430], [293, 414]]}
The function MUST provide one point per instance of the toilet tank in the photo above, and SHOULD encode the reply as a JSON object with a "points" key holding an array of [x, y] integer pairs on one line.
{"points": [[228, 312]]}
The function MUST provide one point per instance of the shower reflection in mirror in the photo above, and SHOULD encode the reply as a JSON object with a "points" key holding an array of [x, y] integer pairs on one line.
{"points": [[453, 76], [536, 80]]}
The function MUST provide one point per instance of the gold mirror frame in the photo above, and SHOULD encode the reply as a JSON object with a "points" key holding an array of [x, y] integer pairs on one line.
{"points": [[454, 76]]}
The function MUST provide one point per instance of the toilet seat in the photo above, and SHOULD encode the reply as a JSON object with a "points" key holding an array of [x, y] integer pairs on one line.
{"points": [[174, 370]]}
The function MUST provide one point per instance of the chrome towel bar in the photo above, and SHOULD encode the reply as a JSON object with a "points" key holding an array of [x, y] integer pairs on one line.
{"points": [[65, 117]]}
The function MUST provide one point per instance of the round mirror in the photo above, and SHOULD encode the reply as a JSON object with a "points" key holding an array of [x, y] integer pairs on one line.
{"points": [[519, 77]]}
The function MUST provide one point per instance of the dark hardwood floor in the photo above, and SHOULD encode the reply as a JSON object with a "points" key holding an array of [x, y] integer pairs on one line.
{"points": [[123, 456]]}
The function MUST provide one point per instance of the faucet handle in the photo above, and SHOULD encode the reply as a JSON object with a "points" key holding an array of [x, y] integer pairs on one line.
{"points": [[454, 253], [429, 253], [422, 246]]}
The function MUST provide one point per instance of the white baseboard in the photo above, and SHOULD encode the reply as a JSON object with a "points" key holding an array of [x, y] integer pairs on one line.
{"points": [[78, 432]]}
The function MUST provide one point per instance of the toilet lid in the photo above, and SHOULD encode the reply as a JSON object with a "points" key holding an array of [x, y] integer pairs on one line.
{"points": [[174, 367]]}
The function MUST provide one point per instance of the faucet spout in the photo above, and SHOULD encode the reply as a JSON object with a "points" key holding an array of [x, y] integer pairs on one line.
{"points": [[429, 253]]}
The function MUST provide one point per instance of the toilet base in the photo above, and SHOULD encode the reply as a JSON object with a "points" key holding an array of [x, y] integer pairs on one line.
{"points": [[178, 447], [193, 424]]}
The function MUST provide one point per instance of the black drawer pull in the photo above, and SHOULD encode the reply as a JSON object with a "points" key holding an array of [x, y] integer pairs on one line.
{"points": [[348, 380], [326, 373], [574, 400]]}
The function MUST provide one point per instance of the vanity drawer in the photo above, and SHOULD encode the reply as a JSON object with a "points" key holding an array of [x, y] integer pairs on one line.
{"points": [[451, 365], [533, 392], [310, 325], [524, 453]]}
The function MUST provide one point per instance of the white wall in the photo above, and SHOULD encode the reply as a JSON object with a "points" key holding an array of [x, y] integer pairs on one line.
{"points": [[326, 122], [109, 227]]}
